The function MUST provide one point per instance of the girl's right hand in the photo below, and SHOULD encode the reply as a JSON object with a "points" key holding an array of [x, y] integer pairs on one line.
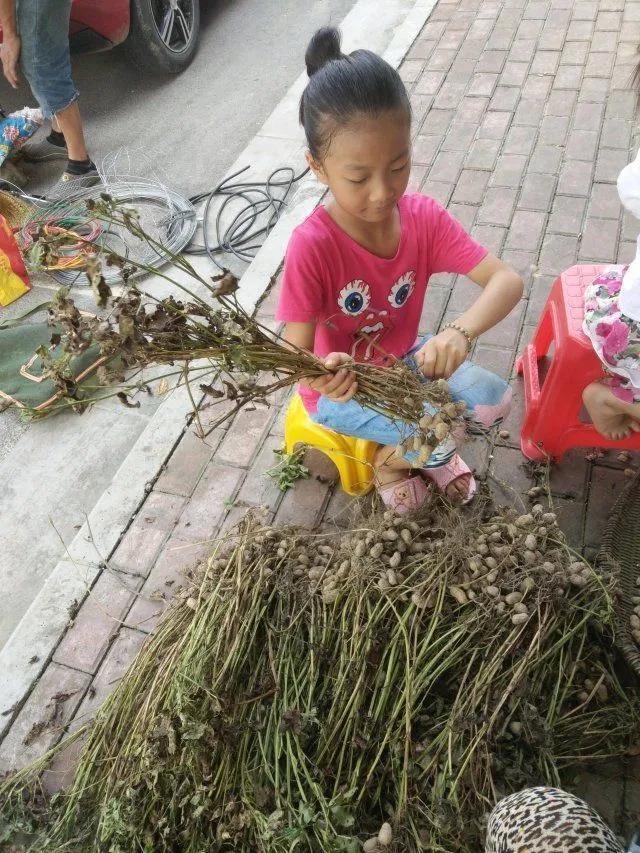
{"points": [[341, 385]]}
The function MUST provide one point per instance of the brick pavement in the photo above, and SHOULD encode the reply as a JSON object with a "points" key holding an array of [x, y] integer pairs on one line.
{"points": [[523, 118]]}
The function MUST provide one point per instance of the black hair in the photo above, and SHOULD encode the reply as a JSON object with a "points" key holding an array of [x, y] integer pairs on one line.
{"points": [[343, 86]]}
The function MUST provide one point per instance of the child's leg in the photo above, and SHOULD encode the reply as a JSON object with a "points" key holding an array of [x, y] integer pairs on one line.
{"points": [[353, 419], [612, 417]]}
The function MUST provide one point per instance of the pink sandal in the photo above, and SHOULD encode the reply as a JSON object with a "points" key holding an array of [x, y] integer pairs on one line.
{"points": [[405, 496], [449, 473]]}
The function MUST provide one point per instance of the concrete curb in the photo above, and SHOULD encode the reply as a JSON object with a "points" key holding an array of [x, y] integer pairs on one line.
{"points": [[280, 140]]}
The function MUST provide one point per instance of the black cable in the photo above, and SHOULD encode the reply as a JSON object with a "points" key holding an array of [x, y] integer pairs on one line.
{"points": [[239, 236]]}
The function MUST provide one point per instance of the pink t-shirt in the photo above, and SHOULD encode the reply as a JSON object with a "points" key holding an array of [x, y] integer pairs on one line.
{"points": [[348, 292]]}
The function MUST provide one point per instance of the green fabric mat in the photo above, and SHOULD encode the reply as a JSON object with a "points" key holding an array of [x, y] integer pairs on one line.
{"points": [[17, 346]]}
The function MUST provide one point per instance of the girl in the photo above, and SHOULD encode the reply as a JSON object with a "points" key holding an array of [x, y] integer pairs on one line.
{"points": [[357, 268], [612, 322]]}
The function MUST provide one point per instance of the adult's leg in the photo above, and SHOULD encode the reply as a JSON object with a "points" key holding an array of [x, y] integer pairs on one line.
{"points": [[70, 125]]}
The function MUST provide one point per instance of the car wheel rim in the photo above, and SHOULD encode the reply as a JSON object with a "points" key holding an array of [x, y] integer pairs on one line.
{"points": [[174, 23]]}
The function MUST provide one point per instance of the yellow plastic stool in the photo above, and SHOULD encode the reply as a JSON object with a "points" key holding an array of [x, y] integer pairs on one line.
{"points": [[353, 457]]}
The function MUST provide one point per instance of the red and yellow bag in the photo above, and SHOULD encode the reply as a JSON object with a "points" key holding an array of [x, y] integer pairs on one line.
{"points": [[14, 281]]}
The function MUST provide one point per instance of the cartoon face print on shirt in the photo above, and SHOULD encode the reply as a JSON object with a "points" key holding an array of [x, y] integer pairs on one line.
{"points": [[372, 322]]}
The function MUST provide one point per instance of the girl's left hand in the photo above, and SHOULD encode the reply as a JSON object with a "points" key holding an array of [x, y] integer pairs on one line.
{"points": [[443, 354]]}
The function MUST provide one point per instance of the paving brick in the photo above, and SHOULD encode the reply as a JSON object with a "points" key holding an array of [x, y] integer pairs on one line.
{"points": [[422, 48], [244, 436], [483, 154], [490, 237], [492, 61], [494, 125], [461, 71], [450, 95], [560, 103], [147, 533], [183, 470], [594, 89], [599, 240], [471, 186], [509, 480], [537, 192], [599, 65], [509, 170], [429, 82], [497, 206], [538, 294], [621, 105], [575, 178], [437, 121], [452, 39], [529, 112], [459, 136], [496, 359], [582, 145], [553, 130], [341, 509], [513, 421], [519, 140], [588, 116], [574, 53], [207, 507], [302, 505], [410, 70], [440, 190], [434, 304], [558, 252], [545, 62], [523, 50], [501, 38], [97, 622], [124, 649], [604, 42], [506, 333], [425, 147], [420, 106], [626, 253], [526, 230], [604, 793], [567, 215], [605, 487], [258, 488], [571, 517], [524, 263], [514, 73], [537, 87], [483, 84], [463, 295], [505, 98], [168, 575], [610, 163], [417, 176], [568, 77], [465, 214], [41, 721], [580, 31], [605, 202], [447, 165], [569, 478]]}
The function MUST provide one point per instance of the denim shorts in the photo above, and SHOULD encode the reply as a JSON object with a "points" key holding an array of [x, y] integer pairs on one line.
{"points": [[43, 26], [487, 397]]}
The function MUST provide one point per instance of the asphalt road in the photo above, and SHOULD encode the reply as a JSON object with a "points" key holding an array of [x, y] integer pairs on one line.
{"points": [[186, 131]]}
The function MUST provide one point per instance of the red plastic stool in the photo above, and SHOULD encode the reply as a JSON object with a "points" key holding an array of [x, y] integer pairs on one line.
{"points": [[552, 422]]}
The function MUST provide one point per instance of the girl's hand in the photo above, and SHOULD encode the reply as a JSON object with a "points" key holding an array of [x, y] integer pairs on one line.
{"points": [[443, 354], [341, 385]]}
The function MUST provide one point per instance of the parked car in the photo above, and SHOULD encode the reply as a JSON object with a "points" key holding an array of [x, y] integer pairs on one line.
{"points": [[160, 35]]}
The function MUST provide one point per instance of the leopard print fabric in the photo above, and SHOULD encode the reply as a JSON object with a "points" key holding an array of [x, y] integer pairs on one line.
{"points": [[547, 820]]}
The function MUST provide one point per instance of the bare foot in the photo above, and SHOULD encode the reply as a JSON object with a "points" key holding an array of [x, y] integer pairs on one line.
{"points": [[610, 415], [458, 490]]}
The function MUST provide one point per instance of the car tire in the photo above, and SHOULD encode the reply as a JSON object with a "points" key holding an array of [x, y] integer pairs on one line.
{"points": [[163, 35]]}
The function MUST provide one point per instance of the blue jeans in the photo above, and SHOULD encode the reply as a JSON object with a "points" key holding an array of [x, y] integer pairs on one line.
{"points": [[43, 26], [487, 397]]}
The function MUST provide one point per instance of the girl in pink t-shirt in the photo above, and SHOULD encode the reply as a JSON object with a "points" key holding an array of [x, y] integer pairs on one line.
{"points": [[357, 268]]}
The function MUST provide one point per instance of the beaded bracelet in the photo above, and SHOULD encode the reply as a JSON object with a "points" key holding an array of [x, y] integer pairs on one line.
{"points": [[462, 331]]}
